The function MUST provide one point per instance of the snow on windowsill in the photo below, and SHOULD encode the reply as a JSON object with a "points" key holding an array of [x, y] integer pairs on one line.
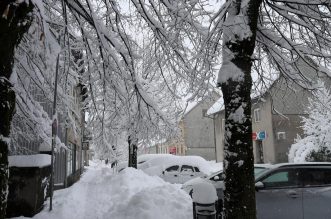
{"points": [[37, 160]]}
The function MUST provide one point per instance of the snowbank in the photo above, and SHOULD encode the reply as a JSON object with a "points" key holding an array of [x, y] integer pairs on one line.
{"points": [[37, 160], [129, 194]]}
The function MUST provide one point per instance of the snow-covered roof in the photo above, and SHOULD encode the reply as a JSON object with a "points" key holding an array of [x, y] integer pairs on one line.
{"points": [[145, 157], [216, 107], [36, 160], [190, 106], [219, 104]]}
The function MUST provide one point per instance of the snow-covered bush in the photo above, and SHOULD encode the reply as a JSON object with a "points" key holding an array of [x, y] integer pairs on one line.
{"points": [[316, 145]]}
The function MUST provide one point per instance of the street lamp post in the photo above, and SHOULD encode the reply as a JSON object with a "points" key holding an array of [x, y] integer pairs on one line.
{"points": [[54, 134]]}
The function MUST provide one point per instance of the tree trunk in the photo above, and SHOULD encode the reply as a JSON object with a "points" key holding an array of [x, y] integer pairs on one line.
{"points": [[14, 22], [238, 47], [239, 195], [132, 152]]}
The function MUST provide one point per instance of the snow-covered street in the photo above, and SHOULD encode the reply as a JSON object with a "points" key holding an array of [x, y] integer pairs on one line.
{"points": [[101, 194]]}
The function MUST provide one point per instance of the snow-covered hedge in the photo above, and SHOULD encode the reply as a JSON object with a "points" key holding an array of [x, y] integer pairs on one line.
{"points": [[316, 145]]}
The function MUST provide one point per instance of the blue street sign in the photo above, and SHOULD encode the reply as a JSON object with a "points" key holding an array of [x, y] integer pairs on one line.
{"points": [[261, 135]]}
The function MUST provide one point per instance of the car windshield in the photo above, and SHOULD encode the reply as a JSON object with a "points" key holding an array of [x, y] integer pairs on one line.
{"points": [[259, 171]]}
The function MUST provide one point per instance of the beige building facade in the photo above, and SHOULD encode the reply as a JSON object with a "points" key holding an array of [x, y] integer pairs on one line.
{"points": [[197, 133], [276, 119]]}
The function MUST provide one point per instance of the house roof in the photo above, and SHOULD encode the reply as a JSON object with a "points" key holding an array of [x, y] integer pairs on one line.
{"points": [[216, 107], [190, 106]]}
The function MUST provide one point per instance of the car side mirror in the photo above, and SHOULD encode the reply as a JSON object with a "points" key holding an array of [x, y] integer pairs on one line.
{"points": [[216, 178], [163, 172], [259, 185]]}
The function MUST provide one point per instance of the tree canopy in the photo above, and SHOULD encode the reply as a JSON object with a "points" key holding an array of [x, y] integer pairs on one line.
{"points": [[139, 58]]}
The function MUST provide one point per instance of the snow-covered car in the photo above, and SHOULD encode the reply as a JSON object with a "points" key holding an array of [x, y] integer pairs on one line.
{"points": [[181, 173], [146, 157], [140, 160], [177, 169], [216, 179]]}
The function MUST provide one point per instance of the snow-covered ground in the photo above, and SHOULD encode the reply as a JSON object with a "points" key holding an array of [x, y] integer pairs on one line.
{"points": [[102, 194]]}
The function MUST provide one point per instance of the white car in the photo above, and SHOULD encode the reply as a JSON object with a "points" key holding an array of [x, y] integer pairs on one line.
{"points": [[181, 173], [176, 169]]}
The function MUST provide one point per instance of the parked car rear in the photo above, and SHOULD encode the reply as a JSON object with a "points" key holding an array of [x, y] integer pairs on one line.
{"points": [[291, 191], [286, 191], [216, 179]]}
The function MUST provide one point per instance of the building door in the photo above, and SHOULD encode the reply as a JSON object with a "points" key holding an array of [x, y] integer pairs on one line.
{"points": [[259, 151]]}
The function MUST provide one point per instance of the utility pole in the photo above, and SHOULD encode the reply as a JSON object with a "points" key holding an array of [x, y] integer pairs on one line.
{"points": [[54, 134], [213, 117]]}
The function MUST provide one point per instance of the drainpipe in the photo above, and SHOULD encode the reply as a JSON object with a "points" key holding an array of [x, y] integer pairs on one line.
{"points": [[214, 117], [65, 159]]}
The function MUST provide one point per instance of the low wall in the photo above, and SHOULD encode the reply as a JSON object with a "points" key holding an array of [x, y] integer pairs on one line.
{"points": [[28, 187]]}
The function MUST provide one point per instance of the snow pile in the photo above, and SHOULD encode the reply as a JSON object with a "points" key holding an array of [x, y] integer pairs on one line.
{"points": [[101, 194], [151, 197], [203, 192], [37, 160]]}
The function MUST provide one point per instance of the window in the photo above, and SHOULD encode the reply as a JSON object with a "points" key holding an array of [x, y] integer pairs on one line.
{"points": [[317, 177], [78, 156], [281, 135], [258, 170], [257, 115], [196, 169], [282, 178], [69, 159], [204, 112], [172, 168], [187, 168]]}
